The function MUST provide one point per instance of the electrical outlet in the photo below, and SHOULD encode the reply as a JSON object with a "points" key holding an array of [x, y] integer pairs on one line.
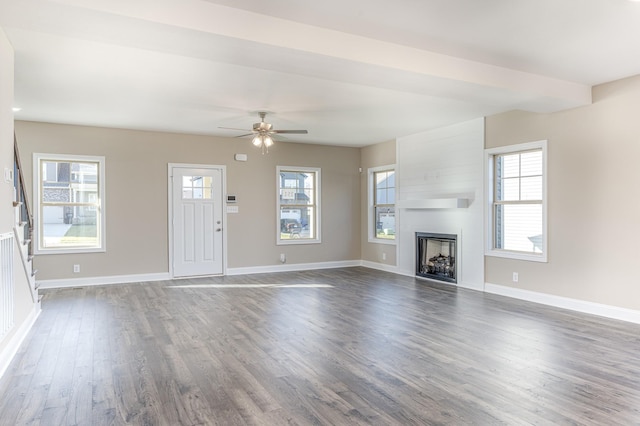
{"points": [[515, 277], [283, 258], [384, 256], [76, 269]]}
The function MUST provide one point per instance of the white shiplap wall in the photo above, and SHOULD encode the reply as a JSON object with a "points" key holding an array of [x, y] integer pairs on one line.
{"points": [[441, 164]]}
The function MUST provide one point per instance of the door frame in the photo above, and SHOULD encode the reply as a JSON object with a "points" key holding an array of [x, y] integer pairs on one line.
{"points": [[223, 198]]}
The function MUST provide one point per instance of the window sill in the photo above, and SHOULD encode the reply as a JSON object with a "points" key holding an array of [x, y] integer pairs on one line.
{"points": [[69, 251], [382, 241], [529, 257], [296, 242]]}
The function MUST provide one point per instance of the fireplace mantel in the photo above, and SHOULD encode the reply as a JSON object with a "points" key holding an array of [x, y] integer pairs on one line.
{"points": [[434, 203]]}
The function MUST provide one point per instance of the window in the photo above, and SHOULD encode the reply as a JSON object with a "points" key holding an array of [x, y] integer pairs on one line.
{"points": [[197, 187], [382, 200], [69, 203], [517, 201], [298, 205]]}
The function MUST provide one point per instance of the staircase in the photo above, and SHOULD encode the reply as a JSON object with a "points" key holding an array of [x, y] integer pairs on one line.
{"points": [[23, 228]]}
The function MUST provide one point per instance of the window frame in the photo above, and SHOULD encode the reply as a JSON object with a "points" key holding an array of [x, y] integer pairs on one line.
{"points": [[316, 205], [490, 184], [371, 214], [38, 158]]}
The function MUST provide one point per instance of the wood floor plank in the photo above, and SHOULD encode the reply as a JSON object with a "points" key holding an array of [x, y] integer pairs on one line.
{"points": [[349, 346]]}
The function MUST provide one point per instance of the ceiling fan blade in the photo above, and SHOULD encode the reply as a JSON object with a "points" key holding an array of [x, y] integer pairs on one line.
{"points": [[232, 128], [279, 137], [242, 136], [299, 132]]}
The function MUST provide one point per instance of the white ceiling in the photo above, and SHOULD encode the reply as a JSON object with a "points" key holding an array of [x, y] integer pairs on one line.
{"points": [[353, 72]]}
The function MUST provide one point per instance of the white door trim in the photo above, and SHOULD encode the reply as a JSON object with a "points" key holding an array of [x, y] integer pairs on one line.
{"points": [[223, 170]]}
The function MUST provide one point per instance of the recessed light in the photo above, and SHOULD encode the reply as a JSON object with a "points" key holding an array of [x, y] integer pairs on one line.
{"points": [[16, 109]]}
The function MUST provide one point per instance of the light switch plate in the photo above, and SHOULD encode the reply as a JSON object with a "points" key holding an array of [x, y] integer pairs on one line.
{"points": [[8, 175]]}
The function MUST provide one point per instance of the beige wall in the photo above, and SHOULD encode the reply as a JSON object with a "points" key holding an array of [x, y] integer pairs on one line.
{"points": [[381, 154], [593, 202], [136, 197]]}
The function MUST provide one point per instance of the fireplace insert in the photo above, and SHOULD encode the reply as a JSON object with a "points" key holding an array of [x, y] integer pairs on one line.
{"points": [[436, 256]]}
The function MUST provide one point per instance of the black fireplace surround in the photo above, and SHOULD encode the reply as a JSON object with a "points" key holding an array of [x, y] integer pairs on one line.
{"points": [[436, 256]]}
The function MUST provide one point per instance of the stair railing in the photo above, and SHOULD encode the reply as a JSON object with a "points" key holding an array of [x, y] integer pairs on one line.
{"points": [[22, 199]]}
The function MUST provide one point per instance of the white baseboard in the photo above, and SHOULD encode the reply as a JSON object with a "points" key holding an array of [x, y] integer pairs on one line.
{"points": [[11, 349], [92, 281], [471, 286], [292, 267], [124, 279], [381, 267], [599, 309]]}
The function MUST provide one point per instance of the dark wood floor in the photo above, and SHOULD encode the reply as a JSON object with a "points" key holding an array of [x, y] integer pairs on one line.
{"points": [[333, 347]]}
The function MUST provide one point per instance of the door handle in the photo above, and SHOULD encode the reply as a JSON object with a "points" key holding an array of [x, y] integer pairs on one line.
{"points": [[219, 229]]}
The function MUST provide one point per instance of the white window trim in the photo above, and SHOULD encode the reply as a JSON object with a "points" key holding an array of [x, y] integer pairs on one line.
{"points": [[318, 209], [37, 157], [371, 237], [489, 193]]}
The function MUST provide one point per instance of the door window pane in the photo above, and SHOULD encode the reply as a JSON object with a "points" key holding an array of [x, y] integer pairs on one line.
{"points": [[197, 187]]}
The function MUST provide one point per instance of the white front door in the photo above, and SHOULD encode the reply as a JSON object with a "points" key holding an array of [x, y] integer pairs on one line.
{"points": [[197, 221]]}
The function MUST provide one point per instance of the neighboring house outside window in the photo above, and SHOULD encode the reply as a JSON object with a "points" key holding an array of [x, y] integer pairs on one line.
{"points": [[382, 204], [298, 205], [517, 201], [69, 203]]}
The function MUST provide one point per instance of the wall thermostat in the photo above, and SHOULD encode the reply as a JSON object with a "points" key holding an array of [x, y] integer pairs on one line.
{"points": [[240, 157]]}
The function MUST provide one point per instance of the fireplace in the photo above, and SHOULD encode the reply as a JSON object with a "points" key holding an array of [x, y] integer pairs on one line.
{"points": [[436, 256]]}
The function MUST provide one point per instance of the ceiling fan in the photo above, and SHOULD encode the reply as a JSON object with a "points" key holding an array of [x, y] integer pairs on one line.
{"points": [[262, 133]]}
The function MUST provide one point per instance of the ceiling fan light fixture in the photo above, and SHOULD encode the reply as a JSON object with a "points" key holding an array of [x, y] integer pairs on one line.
{"points": [[262, 132]]}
